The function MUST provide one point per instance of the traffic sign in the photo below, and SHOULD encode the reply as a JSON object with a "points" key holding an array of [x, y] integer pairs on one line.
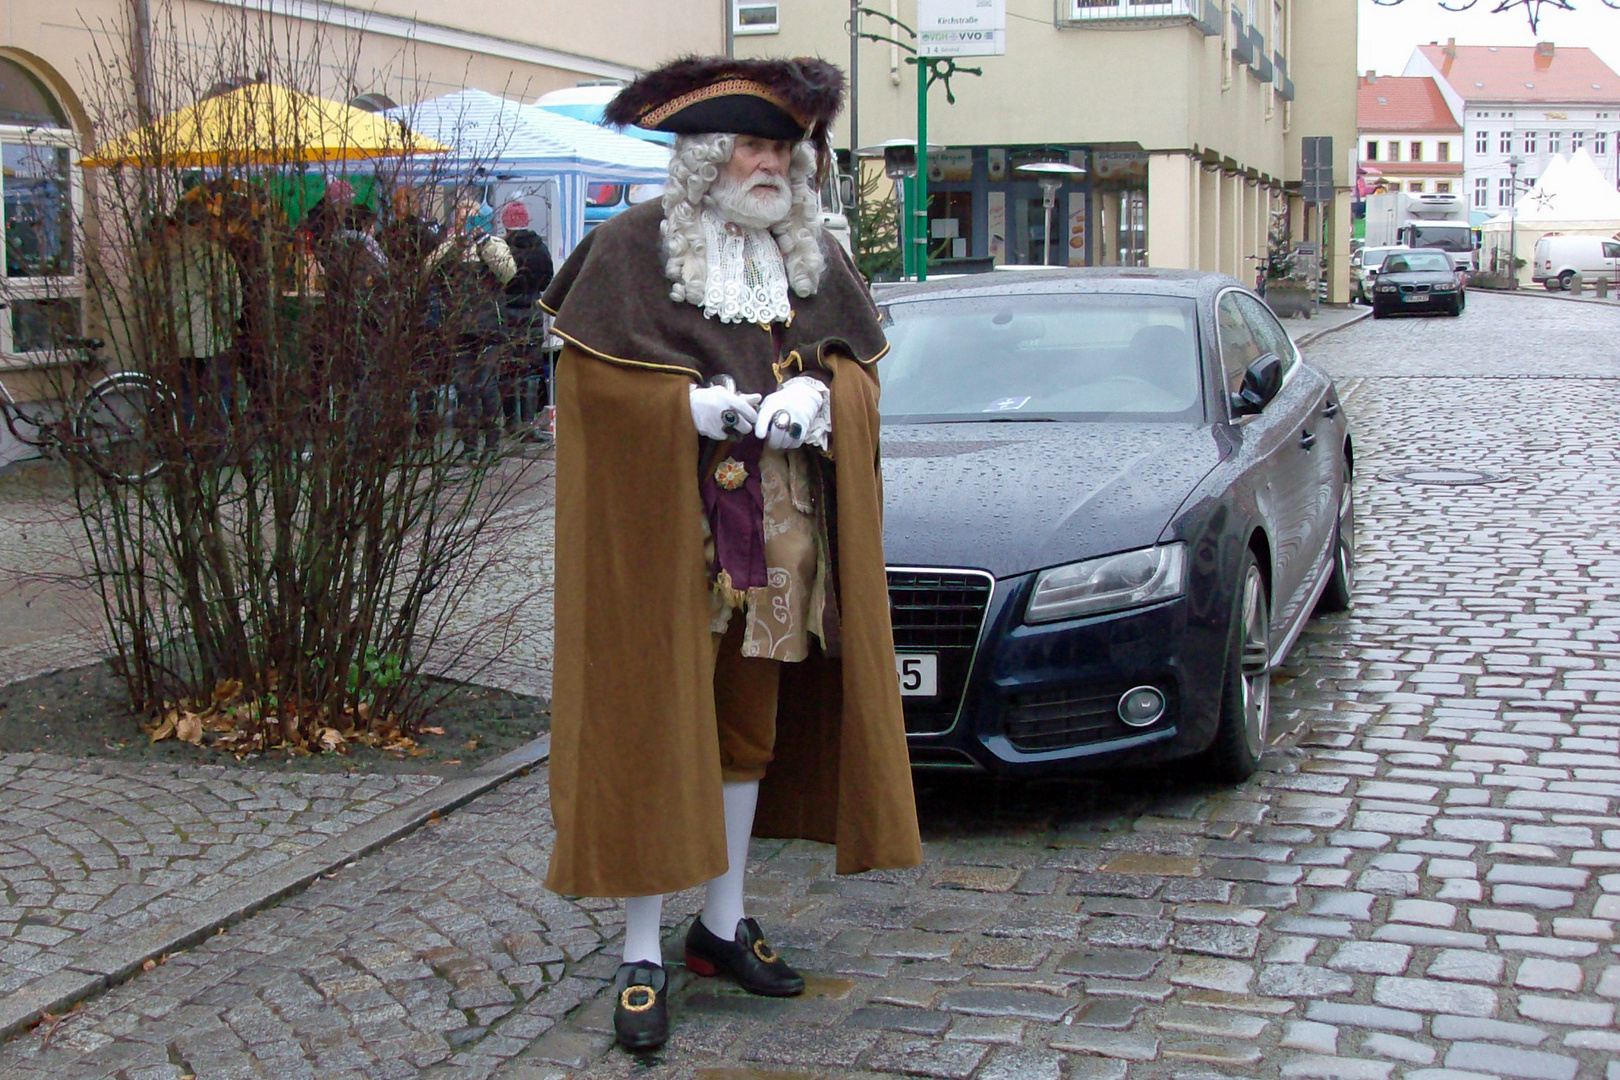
{"points": [[961, 27]]}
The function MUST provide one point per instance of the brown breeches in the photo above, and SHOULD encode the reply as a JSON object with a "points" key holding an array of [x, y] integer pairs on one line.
{"points": [[744, 706]]}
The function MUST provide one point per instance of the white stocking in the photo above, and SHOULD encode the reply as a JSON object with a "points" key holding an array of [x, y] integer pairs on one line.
{"points": [[723, 907], [642, 915]]}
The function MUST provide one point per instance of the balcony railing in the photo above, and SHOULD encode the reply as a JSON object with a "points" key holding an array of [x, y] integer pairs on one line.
{"points": [[1090, 11]]}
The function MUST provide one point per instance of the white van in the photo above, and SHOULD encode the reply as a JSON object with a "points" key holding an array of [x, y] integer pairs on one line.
{"points": [[1560, 258]]}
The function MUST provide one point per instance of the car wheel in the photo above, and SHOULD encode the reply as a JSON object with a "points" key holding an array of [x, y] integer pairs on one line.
{"points": [[1551, 284], [1246, 695], [1336, 597], [1566, 279]]}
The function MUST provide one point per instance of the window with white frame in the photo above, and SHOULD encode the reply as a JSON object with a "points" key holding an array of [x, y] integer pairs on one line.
{"points": [[1482, 141], [1482, 192], [1504, 191], [1577, 139], [1600, 143], [1555, 142], [748, 17], [1504, 145], [40, 191], [1530, 142]]}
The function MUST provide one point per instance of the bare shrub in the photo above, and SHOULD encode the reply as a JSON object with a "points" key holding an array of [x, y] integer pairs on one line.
{"points": [[285, 516]]}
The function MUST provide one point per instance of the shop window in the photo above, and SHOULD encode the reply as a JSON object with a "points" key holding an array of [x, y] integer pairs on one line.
{"points": [[753, 18], [39, 199]]}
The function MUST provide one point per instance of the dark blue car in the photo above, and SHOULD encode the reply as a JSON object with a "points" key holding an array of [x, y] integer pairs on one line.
{"points": [[1112, 499]]}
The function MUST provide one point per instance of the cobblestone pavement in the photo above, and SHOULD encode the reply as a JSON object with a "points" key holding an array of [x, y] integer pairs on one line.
{"points": [[1423, 883], [91, 851]]}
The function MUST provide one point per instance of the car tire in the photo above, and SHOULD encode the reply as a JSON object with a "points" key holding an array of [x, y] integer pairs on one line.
{"points": [[1336, 597], [1566, 279], [1551, 284], [1246, 691]]}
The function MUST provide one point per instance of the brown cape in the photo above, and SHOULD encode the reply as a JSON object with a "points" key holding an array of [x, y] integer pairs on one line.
{"points": [[635, 759]]}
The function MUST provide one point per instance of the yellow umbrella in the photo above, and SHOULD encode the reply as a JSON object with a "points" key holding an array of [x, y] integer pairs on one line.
{"points": [[260, 124]]}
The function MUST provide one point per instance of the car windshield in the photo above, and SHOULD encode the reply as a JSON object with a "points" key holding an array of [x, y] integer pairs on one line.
{"points": [[1422, 262], [1444, 237], [1042, 357], [1373, 258]]}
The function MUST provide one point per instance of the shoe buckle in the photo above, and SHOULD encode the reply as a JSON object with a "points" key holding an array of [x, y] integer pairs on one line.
{"points": [[638, 999], [763, 950]]}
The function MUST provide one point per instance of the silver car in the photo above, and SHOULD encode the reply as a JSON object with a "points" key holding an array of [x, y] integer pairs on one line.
{"points": [[1364, 267]]}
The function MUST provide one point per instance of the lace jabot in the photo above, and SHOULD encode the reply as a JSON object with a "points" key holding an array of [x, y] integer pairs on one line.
{"points": [[747, 280]]}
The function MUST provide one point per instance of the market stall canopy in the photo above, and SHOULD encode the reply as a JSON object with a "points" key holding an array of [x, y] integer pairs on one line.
{"points": [[492, 137], [261, 124], [1569, 191]]}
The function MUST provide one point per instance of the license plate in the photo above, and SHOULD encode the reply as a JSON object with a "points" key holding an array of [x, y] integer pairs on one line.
{"points": [[1419, 298], [919, 674]]}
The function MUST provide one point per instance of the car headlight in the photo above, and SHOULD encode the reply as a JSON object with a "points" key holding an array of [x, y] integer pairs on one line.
{"points": [[1444, 288], [1111, 583], [1389, 288]]}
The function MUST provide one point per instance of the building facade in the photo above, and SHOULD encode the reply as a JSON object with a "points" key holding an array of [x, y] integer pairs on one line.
{"points": [[1409, 138], [1520, 107], [1187, 115], [375, 55]]}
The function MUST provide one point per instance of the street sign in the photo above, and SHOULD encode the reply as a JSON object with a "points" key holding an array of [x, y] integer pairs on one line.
{"points": [[1316, 153], [961, 27]]}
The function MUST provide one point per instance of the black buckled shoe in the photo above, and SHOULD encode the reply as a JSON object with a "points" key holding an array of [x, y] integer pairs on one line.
{"points": [[749, 960], [640, 1012]]}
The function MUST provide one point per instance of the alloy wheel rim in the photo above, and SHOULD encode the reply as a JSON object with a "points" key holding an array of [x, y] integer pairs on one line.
{"points": [[1347, 537], [1255, 660]]}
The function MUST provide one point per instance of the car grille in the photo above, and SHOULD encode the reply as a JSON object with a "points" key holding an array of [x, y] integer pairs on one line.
{"points": [[939, 612], [1414, 288], [1075, 716]]}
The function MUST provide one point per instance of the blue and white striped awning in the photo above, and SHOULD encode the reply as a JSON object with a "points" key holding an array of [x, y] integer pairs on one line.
{"points": [[498, 137]]}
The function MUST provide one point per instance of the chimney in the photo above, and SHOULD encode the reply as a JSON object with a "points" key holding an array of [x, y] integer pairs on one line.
{"points": [[1544, 48], [1451, 48]]}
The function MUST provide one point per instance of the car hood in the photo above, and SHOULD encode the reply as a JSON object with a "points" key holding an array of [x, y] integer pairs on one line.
{"points": [[1419, 277], [1014, 497]]}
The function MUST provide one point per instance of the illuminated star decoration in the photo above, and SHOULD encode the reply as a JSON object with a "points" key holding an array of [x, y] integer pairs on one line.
{"points": [[1532, 8]]}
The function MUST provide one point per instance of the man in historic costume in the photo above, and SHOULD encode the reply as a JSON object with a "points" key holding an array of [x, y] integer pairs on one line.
{"points": [[724, 662]]}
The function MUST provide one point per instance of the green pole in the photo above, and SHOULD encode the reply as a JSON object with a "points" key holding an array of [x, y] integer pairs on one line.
{"points": [[920, 207]]}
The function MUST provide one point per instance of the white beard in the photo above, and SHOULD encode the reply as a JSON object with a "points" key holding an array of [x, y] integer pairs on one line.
{"points": [[756, 203]]}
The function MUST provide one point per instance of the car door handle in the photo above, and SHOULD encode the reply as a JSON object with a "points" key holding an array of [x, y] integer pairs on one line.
{"points": [[1307, 439], [1330, 410]]}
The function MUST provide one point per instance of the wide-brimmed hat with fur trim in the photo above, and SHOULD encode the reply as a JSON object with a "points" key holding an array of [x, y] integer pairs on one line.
{"points": [[793, 99]]}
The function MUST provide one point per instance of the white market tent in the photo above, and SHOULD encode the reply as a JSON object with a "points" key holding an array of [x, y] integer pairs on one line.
{"points": [[1572, 198], [508, 139]]}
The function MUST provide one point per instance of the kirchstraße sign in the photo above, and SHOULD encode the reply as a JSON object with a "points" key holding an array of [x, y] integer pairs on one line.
{"points": [[961, 27]]}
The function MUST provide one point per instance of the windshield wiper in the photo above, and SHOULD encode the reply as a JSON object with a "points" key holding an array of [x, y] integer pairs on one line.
{"points": [[996, 420]]}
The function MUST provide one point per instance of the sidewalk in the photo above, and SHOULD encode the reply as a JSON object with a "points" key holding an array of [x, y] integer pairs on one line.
{"points": [[1328, 319]]}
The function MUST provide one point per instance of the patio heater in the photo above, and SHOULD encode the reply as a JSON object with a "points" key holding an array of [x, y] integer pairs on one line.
{"points": [[1052, 176]]}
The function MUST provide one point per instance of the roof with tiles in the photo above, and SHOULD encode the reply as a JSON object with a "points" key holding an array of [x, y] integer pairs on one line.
{"points": [[1527, 73], [1403, 103]]}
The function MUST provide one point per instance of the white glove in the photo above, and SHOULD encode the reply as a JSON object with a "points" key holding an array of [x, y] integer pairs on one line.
{"points": [[719, 412], [799, 412]]}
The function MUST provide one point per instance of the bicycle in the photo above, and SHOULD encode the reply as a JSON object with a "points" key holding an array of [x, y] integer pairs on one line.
{"points": [[109, 428]]}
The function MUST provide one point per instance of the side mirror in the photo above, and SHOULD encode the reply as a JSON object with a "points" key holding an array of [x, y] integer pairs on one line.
{"points": [[1260, 384], [846, 191]]}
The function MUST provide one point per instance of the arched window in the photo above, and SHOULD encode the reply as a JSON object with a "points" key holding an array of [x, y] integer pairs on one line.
{"points": [[40, 196]]}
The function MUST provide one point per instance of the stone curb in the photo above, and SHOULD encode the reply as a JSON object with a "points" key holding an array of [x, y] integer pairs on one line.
{"points": [[1543, 294], [1312, 335], [115, 963]]}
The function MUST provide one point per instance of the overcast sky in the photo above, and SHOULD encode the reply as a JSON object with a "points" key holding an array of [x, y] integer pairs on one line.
{"points": [[1388, 34]]}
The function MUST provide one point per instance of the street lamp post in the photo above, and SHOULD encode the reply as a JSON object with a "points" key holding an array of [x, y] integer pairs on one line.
{"points": [[1513, 220]]}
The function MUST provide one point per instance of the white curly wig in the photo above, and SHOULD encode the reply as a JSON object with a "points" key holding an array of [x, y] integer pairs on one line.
{"points": [[694, 165]]}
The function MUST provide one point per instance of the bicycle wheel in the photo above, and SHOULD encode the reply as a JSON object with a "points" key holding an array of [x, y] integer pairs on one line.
{"points": [[117, 423]]}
